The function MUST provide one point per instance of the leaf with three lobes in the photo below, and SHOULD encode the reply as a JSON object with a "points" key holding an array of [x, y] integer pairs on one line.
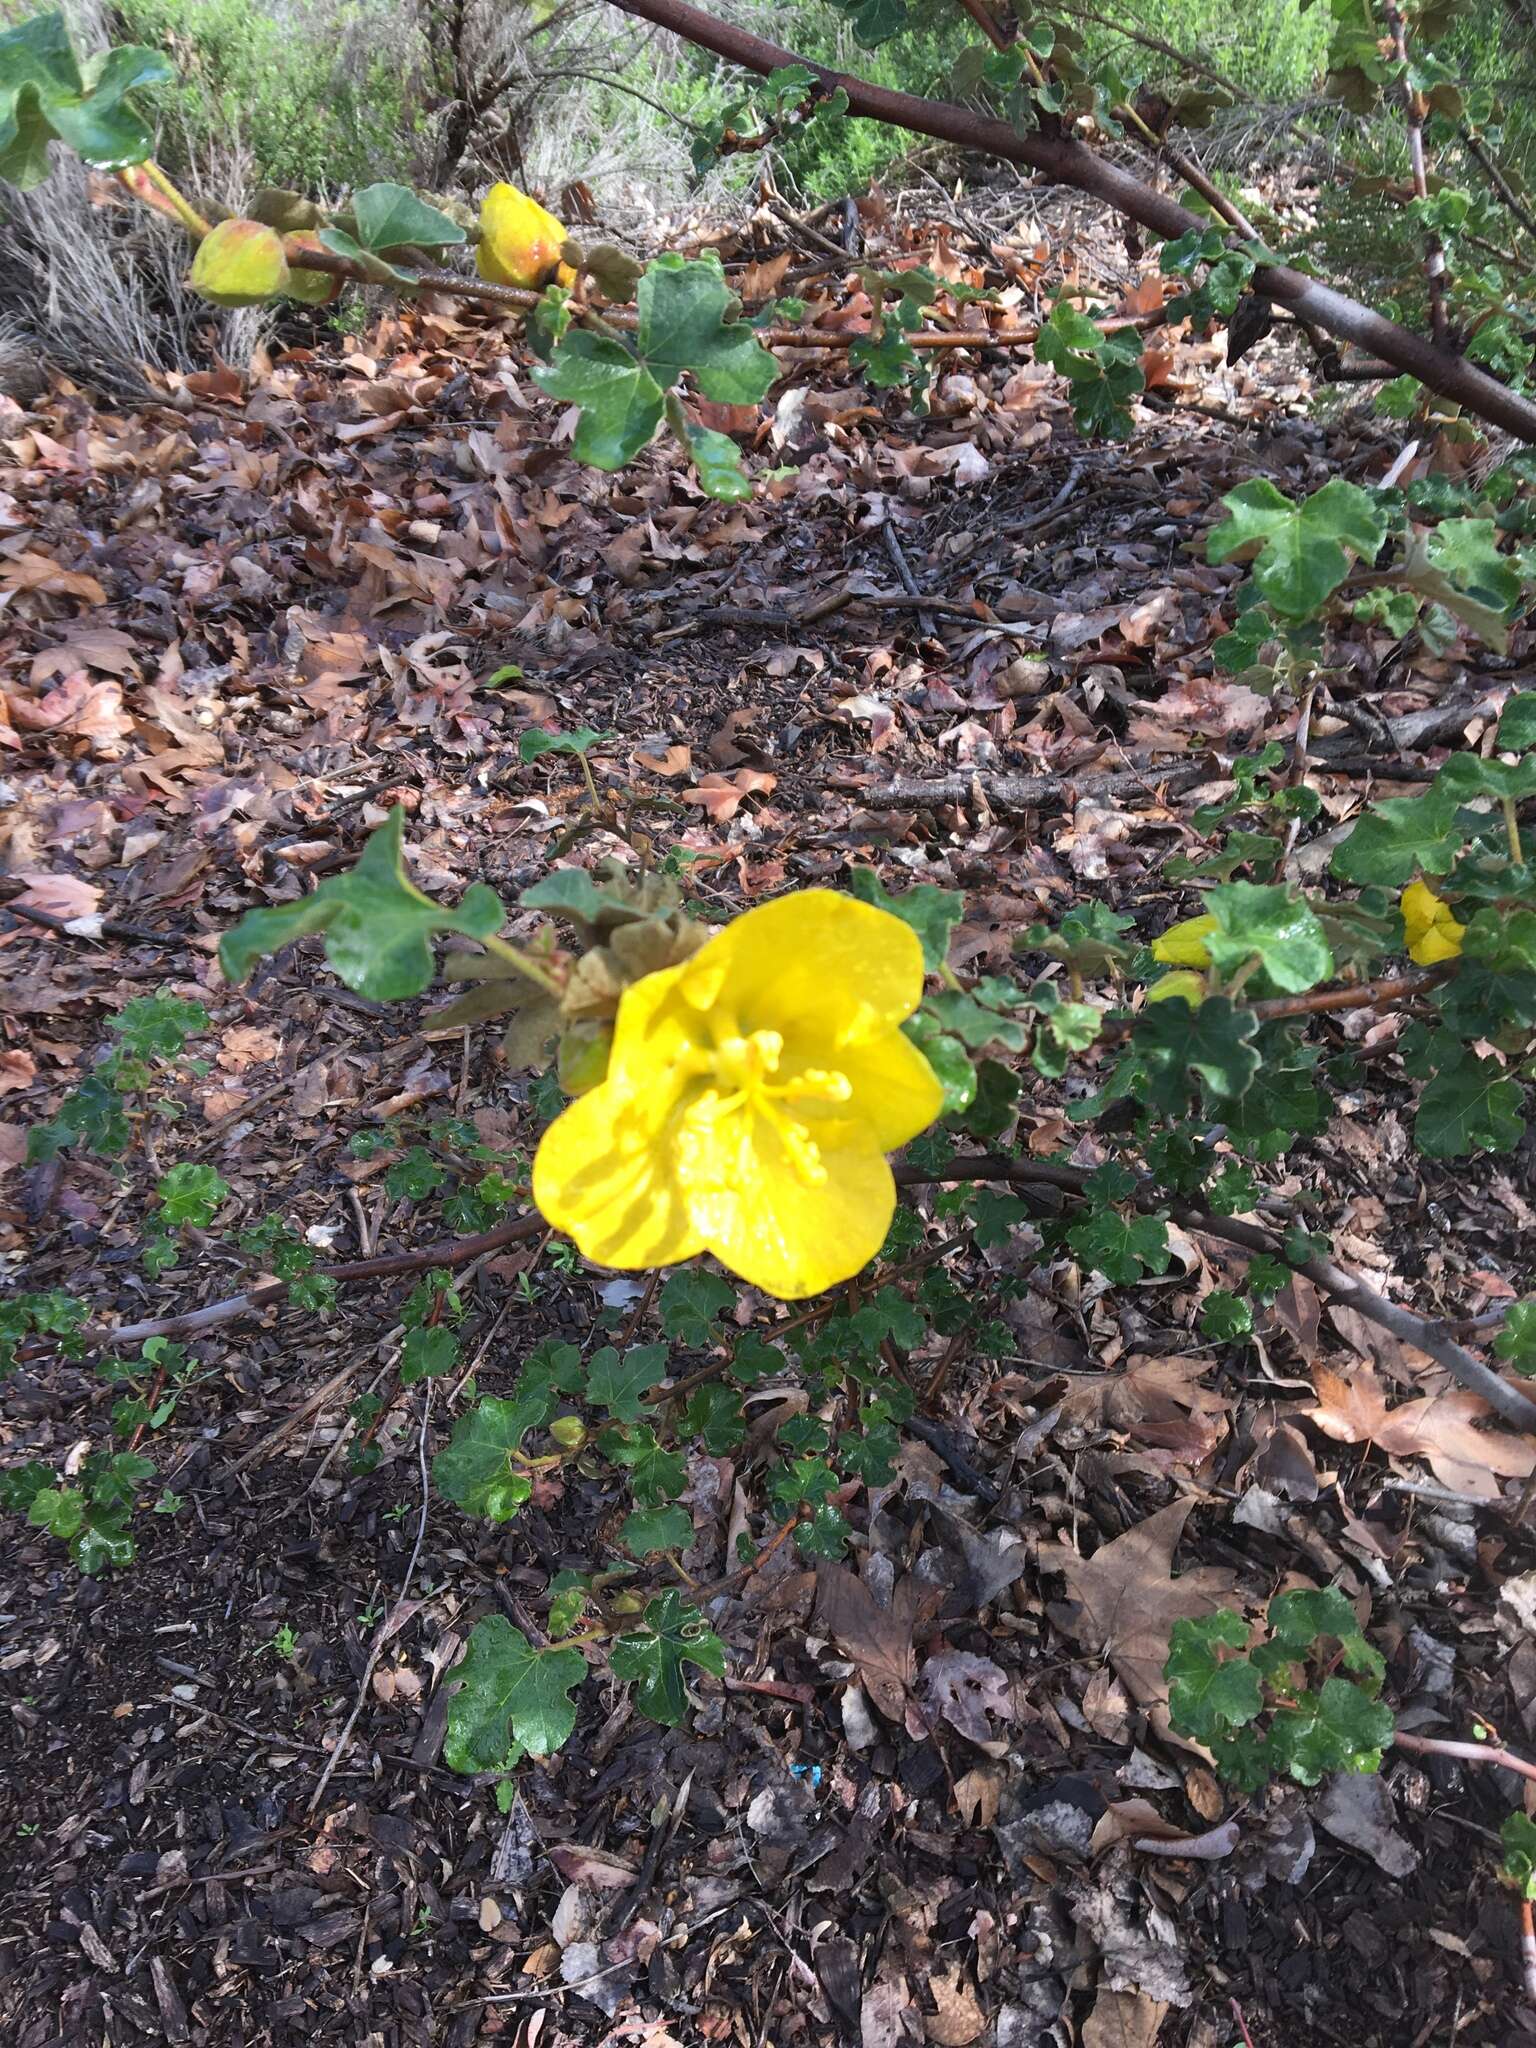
{"points": [[1401, 837], [652, 1657], [713, 1415], [619, 1384], [509, 1694], [1120, 1247], [656, 1476], [1214, 1042], [690, 1303], [682, 326], [475, 1470], [376, 922], [1337, 1728], [42, 95], [652, 1529], [1471, 1105], [1206, 1696], [1266, 922], [1302, 551]]}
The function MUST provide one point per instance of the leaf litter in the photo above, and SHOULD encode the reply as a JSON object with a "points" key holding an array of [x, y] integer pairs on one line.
{"points": [[241, 626]]}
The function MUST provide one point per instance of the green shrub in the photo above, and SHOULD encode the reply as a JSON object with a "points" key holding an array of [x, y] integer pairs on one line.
{"points": [[319, 96]]}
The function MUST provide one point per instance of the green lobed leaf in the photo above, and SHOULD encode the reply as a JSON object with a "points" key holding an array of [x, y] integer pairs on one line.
{"points": [[1470, 1105], [652, 1657], [932, 912], [1213, 1043], [376, 922], [508, 1694], [656, 1476], [1122, 1248], [621, 402], [1266, 922], [691, 1303], [619, 1384], [1225, 1317], [648, 1530], [1338, 1728], [426, 1354], [42, 95], [536, 741], [714, 1415], [1495, 985], [685, 324], [1401, 837], [1208, 1696], [475, 1469], [1301, 552], [392, 217]]}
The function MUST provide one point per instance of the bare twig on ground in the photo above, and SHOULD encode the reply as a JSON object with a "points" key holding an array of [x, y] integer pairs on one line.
{"points": [[387, 1626]]}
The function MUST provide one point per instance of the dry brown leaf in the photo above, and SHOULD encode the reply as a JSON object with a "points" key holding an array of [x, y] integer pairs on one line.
{"points": [[878, 1639], [1439, 1428], [1130, 1598], [722, 795], [18, 1069], [64, 896], [1123, 2019], [958, 2017]]}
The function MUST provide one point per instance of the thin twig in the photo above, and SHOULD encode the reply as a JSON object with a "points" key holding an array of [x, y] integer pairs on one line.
{"points": [[386, 1627]]}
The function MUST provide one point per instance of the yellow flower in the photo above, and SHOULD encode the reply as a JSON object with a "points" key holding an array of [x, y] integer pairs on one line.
{"points": [[519, 242], [751, 1097], [1183, 945], [1431, 931], [1182, 982]]}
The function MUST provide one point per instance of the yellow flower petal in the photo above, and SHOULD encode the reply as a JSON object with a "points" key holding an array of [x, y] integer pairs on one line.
{"points": [[597, 1179], [765, 1221], [520, 243], [896, 1093], [1183, 945], [1182, 982], [823, 969], [1431, 932]]}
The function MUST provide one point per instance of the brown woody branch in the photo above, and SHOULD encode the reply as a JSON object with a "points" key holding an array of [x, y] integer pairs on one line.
{"points": [[1072, 163], [1428, 1334]]}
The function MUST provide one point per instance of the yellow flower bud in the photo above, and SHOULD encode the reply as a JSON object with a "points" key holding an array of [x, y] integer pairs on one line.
{"points": [[1182, 982], [1183, 945], [520, 243]]}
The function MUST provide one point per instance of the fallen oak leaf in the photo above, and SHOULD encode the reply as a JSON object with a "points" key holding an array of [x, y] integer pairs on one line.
{"points": [[1440, 1428], [62, 896], [879, 1640], [1129, 1598], [722, 795]]}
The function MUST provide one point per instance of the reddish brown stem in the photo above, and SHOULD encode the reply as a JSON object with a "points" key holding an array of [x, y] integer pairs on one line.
{"points": [[1071, 163], [1466, 1752]]}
